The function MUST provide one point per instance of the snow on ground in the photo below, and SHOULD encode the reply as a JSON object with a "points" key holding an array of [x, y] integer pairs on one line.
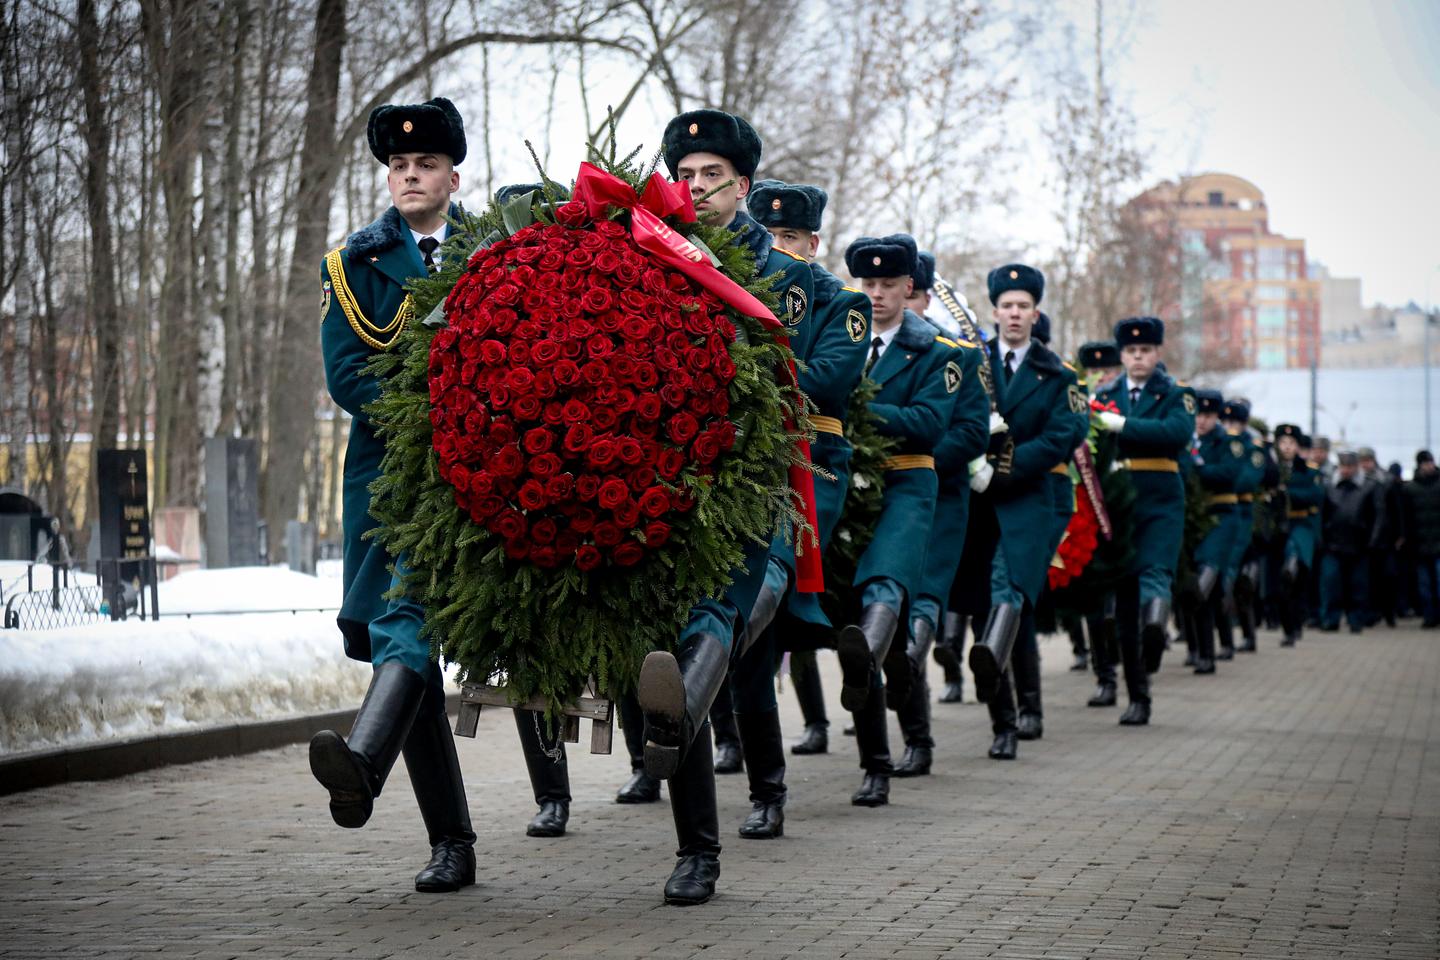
{"points": [[138, 677], [13, 578]]}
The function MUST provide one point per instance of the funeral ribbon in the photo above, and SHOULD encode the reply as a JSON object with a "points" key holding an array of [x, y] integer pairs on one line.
{"points": [[1091, 484], [599, 191]]}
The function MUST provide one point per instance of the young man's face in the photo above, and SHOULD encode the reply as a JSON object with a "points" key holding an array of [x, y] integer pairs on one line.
{"points": [[705, 172], [918, 301], [1140, 360], [420, 186], [1205, 422], [1235, 427], [887, 298], [1015, 314], [1287, 447], [799, 242], [1348, 469]]}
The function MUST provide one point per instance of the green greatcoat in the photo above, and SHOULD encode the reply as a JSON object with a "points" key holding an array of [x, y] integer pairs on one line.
{"points": [[919, 378], [1222, 462], [363, 310], [1043, 405], [964, 439], [1158, 427], [839, 343], [1305, 492]]}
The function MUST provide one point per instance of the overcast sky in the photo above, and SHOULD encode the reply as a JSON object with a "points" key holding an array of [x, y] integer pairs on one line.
{"points": [[1331, 107]]}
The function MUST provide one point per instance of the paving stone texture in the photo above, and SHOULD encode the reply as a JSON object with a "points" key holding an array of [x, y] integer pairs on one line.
{"points": [[1287, 807]]}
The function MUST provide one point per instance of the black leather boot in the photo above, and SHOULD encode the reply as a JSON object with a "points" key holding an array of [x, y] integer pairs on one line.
{"points": [[916, 762], [1104, 695], [1025, 670], [863, 649], [1203, 619], [1244, 603], [1152, 631], [765, 764], [872, 737], [810, 694], [549, 774], [947, 655], [1135, 715], [434, 769], [767, 604], [697, 825], [991, 656], [675, 693], [1004, 720], [641, 787], [729, 758], [354, 770]]}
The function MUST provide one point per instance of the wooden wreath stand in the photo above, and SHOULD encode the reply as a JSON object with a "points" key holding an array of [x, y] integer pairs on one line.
{"points": [[600, 711]]}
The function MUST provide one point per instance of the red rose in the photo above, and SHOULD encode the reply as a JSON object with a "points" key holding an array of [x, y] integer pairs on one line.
{"points": [[627, 513], [517, 549], [630, 451], [538, 440], [654, 502], [640, 478], [656, 534], [559, 487], [587, 487], [587, 558], [670, 463], [579, 257], [606, 261], [628, 554], [527, 407], [613, 493], [673, 394], [599, 347], [706, 448], [492, 352], [597, 300], [572, 214], [532, 495], [604, 418], [607, 534], [545, 465], [484, 508], [603, 452], [682, 428], [577, 438], [583, 521], [481, 484], [576, 412], [509, 524], [544, 531], [565, 372], [647, 407], [545, 352], [507, 462], [501, 431], [458, 475]]}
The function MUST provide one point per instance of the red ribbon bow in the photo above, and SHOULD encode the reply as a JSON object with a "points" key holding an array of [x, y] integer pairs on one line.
{"points": [[599, 191]]}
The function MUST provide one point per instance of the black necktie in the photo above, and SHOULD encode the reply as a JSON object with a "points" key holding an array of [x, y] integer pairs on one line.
{"points": [[1134, 396], [1010, 363], [428, 246], [875, 347]]}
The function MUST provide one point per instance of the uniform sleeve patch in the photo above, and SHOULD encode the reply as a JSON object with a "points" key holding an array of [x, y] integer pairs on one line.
{"points": [[1257, 459], [952, 376], [1237, 448], [324, 299], [796, 303], [1075, 397], [1188, 400], [855, 325]]}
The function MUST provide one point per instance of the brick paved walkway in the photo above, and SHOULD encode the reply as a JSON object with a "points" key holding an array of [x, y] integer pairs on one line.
{"points": [[1289, 807]]}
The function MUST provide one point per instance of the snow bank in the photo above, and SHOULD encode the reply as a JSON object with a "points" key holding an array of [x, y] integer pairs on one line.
{"points": [[248, 588], [139, 677]]}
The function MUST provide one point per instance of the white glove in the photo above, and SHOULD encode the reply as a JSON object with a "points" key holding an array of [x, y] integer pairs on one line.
{"points": [[980, 473], [997, 423], [1111, 421]]}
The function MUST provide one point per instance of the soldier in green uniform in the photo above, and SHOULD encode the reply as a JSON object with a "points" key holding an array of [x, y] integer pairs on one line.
{"points": [[1042, 410], [364, 310], [964, 440], [833, 360], [717, 153], [1303, 489], [1156, 423], [918, 378], [1221, 461], [1235, 417]]}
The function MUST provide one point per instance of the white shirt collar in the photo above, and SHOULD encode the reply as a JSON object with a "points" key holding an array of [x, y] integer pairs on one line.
{"points": [[887, 337], [1018, 351], [439, 235], [1133, 385]]}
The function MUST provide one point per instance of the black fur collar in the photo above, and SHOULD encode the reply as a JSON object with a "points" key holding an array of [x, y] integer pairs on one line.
{"points": [[916, 333], [1039, 356], [384, 233], [827, 285]]}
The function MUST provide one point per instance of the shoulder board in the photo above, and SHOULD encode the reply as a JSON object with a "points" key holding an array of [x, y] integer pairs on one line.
{"points": [[967, 343], [1312, 464], [372, 334], [851, 290], [1182, 383], [793, 256], [1069, 366], [947, 341]]}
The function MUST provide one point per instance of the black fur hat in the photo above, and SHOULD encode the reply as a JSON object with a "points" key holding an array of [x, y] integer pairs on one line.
{"points": [[711, 131], [1016, 276], [1041, 330], [1140, 330], [1209, 401], [892, 256], [924, 274], [430, 127], [1099, 353], [1238, 410], [798, 206]]}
